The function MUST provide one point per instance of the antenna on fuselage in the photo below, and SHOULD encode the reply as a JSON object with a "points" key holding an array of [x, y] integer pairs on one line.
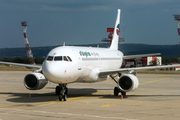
{"points": [[64, 44]]}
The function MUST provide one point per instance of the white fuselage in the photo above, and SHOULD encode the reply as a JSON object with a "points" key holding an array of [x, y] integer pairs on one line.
{"points": [[69, 64]]}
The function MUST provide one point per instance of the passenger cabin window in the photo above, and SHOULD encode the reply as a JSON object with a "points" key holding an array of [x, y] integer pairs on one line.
{"points": [[50, 58], [58, 58]]}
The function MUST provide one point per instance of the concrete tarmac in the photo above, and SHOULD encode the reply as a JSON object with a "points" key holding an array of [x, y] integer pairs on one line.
{"points": [[157, 98]]}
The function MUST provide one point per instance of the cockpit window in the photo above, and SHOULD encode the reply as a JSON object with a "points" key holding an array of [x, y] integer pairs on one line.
{"points": [[65, 58], [69, 58], [50, 58], [58, 58]]}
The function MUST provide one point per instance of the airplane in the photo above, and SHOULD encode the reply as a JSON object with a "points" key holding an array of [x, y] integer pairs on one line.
{"points": [[72, 64]]}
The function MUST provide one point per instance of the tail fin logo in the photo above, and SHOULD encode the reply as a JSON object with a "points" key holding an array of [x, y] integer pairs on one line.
{"points": [[114, 43], [117, 29]]}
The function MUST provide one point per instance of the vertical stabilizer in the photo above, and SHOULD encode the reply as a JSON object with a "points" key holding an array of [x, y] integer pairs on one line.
{"points": [[114, 43]]}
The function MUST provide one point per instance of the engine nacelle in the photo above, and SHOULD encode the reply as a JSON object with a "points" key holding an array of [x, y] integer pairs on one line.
{"points": [[35, 81], [128, 82]]}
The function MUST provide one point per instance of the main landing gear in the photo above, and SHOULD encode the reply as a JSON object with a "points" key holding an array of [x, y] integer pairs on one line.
{"points": [[117, 90], [62, 91]]}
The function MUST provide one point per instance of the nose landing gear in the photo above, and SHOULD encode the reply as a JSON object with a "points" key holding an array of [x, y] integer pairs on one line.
{"points": [[62, 91]]}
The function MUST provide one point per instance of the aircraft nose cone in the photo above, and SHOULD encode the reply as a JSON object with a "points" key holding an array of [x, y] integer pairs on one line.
{"points": [[50, 71]]}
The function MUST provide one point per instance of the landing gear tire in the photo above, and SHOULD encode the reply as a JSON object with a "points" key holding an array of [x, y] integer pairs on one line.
{"points": [[62, 91], [58, 89], [116, 91], [60, 97], [65, 97], [66, 92]]}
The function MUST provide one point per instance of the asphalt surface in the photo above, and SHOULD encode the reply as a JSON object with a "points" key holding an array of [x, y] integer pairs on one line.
{"points": [[157, 98]]}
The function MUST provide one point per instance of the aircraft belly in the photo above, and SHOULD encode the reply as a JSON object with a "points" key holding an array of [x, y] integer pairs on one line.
{"points": [[64, 80]]}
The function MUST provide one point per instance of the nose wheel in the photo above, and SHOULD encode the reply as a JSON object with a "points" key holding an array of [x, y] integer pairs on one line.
{"points": [[62, 91]]}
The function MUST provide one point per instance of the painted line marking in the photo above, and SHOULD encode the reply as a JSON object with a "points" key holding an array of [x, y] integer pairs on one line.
{"points": [[75, 98], [75, 106], [69, 114], [154, 81], [108, 105], [98, 93], [155, 106], [108, 117]]}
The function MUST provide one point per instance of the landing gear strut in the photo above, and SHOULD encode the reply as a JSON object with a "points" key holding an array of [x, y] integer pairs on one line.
{"points": [[62, 91], [116, 89]]}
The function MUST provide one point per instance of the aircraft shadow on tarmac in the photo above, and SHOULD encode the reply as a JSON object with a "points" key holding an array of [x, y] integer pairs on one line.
{"points": [[76, 92], [45, 97]]}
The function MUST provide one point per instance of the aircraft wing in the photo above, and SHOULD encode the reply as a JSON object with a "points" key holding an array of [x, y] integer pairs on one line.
{"points": [[104, 73], [23, 65], [142, 55]]}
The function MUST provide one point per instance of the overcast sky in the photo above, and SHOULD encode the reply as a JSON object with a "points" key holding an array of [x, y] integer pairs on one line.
{"points": [[52, 22]]}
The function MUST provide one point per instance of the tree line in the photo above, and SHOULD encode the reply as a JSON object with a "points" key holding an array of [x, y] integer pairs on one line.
{"points": [[168, 60]]}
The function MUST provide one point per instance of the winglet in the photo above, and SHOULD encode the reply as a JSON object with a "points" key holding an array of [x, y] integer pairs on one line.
{"points": [[114, 43]]}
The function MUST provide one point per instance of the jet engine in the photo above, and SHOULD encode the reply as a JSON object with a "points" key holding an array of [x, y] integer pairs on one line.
{"points": [[35, 81], [128, 82]]}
